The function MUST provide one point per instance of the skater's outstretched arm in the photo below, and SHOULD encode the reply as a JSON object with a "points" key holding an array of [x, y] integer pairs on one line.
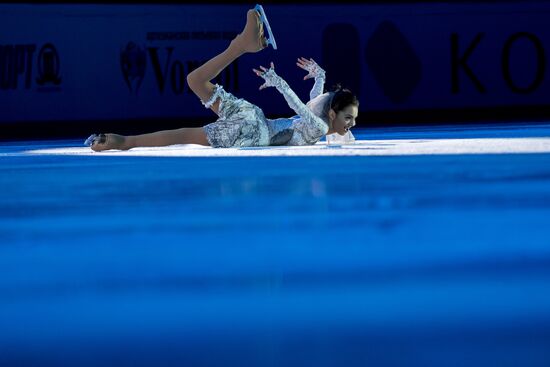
{"points": [[314, 71], [274, 80]]}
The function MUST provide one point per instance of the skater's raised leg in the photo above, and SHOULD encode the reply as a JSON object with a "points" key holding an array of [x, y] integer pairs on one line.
{"points": [[251, 39]]}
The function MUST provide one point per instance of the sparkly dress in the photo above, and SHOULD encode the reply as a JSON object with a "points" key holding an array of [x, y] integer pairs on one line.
{"points": [[242, 124]]}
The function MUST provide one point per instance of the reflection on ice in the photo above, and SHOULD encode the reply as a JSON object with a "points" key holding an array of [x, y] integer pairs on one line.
{"points": [[273, 260]]}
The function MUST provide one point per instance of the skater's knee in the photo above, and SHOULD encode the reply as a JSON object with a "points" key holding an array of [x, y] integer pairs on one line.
{"points": [[198, 86], [192, 79]]}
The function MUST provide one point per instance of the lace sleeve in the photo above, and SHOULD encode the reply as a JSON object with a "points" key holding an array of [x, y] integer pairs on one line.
{"points": [[273, 80], [317, 89], [314, 71]]}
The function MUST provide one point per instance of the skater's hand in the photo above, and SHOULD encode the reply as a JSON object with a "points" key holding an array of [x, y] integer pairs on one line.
{"points": [[311, 67], [268, 75]]}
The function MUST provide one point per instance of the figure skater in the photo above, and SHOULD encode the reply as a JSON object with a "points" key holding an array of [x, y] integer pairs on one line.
{"points": [[242, 124]]}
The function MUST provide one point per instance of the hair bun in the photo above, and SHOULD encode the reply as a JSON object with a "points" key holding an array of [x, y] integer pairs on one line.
{"points": [[337, 87]]}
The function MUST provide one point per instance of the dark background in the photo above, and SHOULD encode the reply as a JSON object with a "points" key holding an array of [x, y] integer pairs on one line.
{"points": [[433, 116]]}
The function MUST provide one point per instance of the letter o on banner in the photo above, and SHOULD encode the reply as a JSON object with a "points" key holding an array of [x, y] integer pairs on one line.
{"points": [[540, 67]]}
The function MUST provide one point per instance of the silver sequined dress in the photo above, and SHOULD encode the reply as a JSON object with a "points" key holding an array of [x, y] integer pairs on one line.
{"points": [[242, 124]]}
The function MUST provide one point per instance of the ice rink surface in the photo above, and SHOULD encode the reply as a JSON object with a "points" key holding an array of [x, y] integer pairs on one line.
{"points": [[417, 246]]}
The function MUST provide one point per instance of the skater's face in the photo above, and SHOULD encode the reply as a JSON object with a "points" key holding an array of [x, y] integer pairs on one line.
{"points": [[344, 108], [344, 119]]}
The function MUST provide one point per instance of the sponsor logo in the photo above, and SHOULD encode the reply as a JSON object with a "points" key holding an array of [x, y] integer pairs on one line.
{"points": [[396, 67], [133, 61], [460, 65], [48, 67], [16, 67], [169, 68]]}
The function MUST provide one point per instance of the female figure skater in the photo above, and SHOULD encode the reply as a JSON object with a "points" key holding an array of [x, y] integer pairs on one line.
{"points": [[242, 124]]}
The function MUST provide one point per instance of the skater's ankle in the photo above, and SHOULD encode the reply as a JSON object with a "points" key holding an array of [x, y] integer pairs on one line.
{"points": [[238, 46], [129, 143]]}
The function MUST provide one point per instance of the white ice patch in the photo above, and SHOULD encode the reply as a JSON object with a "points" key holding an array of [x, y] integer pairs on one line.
{"points": [[360, 148]]}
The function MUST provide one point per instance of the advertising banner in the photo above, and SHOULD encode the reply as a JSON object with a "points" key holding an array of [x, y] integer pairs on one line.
{"points": [[69, 62]]}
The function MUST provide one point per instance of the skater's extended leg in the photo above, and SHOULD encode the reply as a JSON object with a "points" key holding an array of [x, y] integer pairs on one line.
{"points": [[251, 39], [163, 138]]}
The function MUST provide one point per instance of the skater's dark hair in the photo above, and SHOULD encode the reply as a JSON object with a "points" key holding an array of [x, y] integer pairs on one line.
{"points": [[342, 98]]}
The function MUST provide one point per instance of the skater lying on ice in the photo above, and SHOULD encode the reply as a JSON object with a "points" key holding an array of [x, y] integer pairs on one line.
{"points": [[242, 124]]}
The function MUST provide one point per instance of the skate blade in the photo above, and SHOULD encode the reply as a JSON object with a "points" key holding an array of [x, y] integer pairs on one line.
{"points": [[263, 18]]}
